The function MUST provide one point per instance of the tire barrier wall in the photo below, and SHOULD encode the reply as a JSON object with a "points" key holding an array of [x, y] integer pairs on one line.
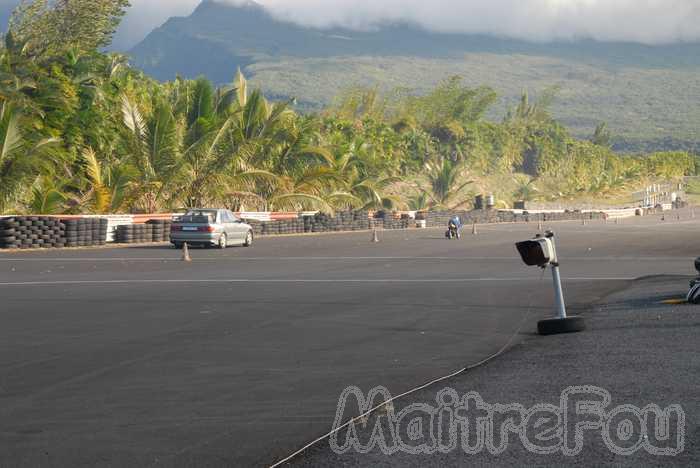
{"points": [[154, 230], [37, 232], [440, 219], [363, 220], [32, 232], [347, 221], [319, 222]]}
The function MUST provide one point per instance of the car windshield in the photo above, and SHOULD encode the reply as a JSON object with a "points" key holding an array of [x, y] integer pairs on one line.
{"points": [[199, 217]]}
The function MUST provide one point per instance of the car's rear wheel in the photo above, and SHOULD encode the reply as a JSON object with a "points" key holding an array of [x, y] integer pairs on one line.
{"points": [[248, 239], [223, 241]]}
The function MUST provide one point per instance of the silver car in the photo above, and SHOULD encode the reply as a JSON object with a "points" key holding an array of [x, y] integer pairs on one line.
{"points": [[210, 227]]}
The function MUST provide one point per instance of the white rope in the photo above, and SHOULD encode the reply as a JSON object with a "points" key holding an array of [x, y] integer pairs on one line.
{"points": [[414, 390]]}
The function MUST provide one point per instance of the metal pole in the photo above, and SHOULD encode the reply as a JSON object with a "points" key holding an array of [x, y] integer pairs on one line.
{"points": [[558, 292], [556, 277]]}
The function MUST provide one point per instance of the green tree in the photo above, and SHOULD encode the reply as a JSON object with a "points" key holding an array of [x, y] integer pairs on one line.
{"points": [[525, 190], [23, 155], [50, 27], [154, 148], [447, 185], [602, 135]]}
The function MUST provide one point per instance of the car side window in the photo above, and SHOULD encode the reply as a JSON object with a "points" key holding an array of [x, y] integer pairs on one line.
{"points": [[232, 217]]}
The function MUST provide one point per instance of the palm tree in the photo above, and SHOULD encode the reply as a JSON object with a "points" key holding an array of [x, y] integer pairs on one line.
{"points": [[216, 171], [359, 177], [276, 153], [525, 188], [419, 202], [18, 76], [373, 193], [445, 189], [314, 187], [98, 193], [21, 155], [102, 186], [46, 197], [154, 145]]}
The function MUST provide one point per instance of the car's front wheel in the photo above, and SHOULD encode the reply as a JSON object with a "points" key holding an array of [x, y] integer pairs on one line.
{"points": [[248, 239], [223, 241]]}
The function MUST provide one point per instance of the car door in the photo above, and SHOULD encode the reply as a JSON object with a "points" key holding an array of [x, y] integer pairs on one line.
{"points": [[238, 228], [227, 224]]}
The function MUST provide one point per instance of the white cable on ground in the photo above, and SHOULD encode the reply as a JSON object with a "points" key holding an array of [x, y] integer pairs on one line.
{"points": [[412, 391]]}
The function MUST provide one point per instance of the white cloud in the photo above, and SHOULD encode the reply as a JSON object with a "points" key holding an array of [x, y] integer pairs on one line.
{"points": [[646, 21]]}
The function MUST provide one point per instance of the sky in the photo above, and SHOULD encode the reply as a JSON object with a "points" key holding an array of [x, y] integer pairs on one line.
{"points": [[644, 21], [145, 15]]}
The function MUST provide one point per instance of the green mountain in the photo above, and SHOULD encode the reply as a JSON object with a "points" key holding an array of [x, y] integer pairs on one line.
{"points": [[648, 94]]}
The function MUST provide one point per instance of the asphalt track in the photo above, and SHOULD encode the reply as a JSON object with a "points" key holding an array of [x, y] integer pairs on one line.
{"points": [[130, 357]]}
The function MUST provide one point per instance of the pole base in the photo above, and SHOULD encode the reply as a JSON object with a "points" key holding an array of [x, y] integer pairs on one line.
{"points": [[573, 324]]}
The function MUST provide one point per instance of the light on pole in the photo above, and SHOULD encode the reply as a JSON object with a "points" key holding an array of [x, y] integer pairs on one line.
{"points": [[542, 252]]}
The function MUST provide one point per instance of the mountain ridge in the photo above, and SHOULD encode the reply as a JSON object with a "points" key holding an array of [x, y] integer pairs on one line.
{"points": [[647, 94], [253, 27]]}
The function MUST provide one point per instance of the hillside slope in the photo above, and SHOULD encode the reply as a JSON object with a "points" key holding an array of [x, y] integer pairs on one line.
{"points": [[648, 94]]}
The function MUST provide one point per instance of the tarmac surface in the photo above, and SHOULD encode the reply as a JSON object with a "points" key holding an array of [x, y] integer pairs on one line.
{"points": [[637, 349], [131, 357]]}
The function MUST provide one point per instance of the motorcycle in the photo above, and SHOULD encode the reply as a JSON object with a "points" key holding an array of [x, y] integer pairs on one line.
{"points": [[453, 232], [694, 293]]}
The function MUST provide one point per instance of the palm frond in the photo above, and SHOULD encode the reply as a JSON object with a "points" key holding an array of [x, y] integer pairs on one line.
{"points": [[132, 118], [300, 201]]}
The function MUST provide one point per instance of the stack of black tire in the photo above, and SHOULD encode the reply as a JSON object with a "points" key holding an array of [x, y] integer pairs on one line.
{"points": [[124, 234], [137, 234], [322, 222], [290, 226], [36, 232], [360, 221], [390, 223], [308, 222], [85, 232], [160, 230], [167, 226], [256, 225], [31, 232], [8, 233]]}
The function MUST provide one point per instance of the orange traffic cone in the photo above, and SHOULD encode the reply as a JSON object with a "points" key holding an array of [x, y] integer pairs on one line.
{"points": [[186, 253]]}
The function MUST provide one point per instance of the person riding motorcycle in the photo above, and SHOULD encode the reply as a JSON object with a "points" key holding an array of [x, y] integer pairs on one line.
{"points": [[454, 227]]}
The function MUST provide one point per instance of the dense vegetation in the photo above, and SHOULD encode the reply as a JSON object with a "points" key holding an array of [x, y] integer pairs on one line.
{"points": [[81, 131], [648, 109], [645, 93]]}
